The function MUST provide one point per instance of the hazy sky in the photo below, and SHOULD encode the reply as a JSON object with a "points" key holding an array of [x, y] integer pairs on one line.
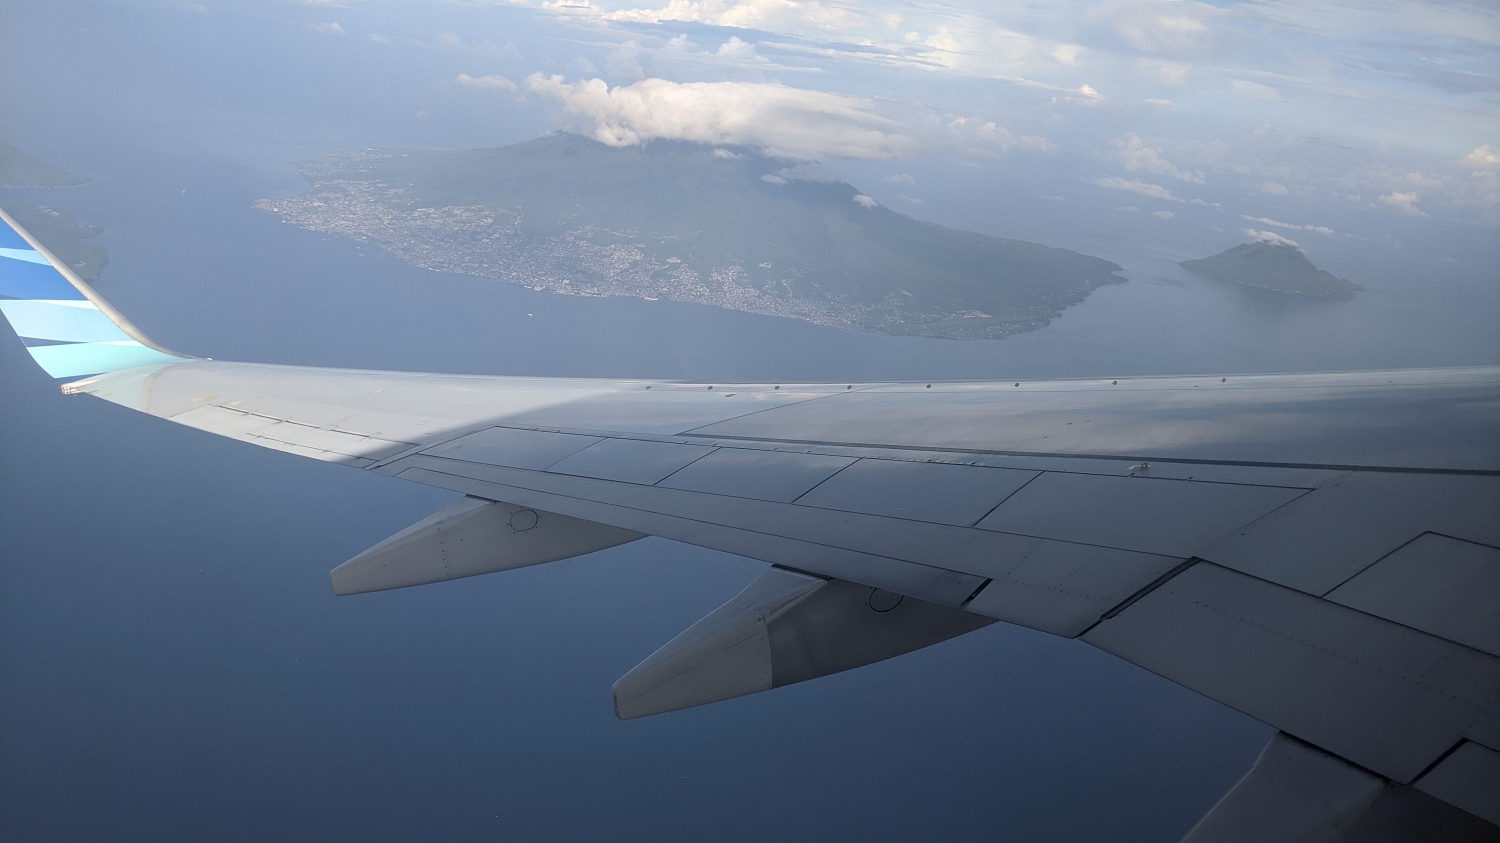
{"points": [[1187, 124], [1380, 106]]}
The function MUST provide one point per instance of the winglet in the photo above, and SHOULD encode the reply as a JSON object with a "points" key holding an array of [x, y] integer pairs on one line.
{"points": [[69, 329]]}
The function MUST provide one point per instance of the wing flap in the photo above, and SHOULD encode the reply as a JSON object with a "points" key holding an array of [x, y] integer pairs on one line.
{"points": [[1323, 539], [1329, 675]]}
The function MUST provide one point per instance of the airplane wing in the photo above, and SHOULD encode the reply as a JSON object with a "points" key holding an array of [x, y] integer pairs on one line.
{"points": [[1319, 551]]}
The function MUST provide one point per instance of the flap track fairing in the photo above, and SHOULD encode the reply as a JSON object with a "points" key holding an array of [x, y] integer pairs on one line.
{"points": [[470, 537], [785, 627]]}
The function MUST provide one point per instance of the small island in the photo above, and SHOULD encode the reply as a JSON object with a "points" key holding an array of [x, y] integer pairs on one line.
{"points": [[1274, 266], [727, 227]]}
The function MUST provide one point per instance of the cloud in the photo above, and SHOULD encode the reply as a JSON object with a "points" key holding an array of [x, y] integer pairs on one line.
{"points": [[330, 28], [737, 50], [1135, 155], [864, 201], [1481, 157], [1402, 203], [1153, 191], [1254, 90], [1270, 237], [1089, 92], [902, 178], [491, 81], [1321, 229], [779, 120], [1169, 72], [811, 171], [999, 135], [1274, 189], [903, 197], [1067, 54], [771, 15], [1163, 33], [726, 154], [1162, 215], [772, 178], [1129, 209]]}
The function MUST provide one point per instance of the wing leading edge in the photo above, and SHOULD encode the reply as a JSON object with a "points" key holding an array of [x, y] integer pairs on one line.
{"points": [[1319, 551]]}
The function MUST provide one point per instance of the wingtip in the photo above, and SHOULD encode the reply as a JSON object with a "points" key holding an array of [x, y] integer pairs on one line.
{"points": [[67, 327]]}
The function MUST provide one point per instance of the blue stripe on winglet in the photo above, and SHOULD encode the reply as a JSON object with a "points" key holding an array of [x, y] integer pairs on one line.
{"points": [[9, 239], [24, 280], [91, 358], [45, 320], [28, 254]]}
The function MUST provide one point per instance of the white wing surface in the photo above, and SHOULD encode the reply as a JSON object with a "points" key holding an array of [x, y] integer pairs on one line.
{"points": [[1319, 551]]}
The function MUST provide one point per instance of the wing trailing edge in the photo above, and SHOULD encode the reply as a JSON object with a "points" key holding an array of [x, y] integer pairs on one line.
{"points": [[1296, 793]]}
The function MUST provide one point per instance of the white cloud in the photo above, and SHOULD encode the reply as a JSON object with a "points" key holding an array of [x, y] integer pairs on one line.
{"points": [[1163, 33], [1274, 189], [1036, 143], [449, 40], [902, 178], [1254, 90], [1135, 155], [1162, 215], [1088, 91], [330, 28], [726, 154], [864, 201], [1482, 156], [772, 178], [780, 120], [743, 14], [1170, 72], [811, 171], [736, 49], [1000, 136], [1153, 191], [490, 81], [1067, 54], [1129, 209], [1321, 229], [1270, 237], [1402, 203], [903, 197]]}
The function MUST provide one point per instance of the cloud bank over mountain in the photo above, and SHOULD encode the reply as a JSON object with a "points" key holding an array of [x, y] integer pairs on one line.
{"points": [[777, 119]]}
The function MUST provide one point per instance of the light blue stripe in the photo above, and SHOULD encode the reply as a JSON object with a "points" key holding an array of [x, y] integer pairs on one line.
{"points": [[43, 320], [93, 358], [29, 255]]}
